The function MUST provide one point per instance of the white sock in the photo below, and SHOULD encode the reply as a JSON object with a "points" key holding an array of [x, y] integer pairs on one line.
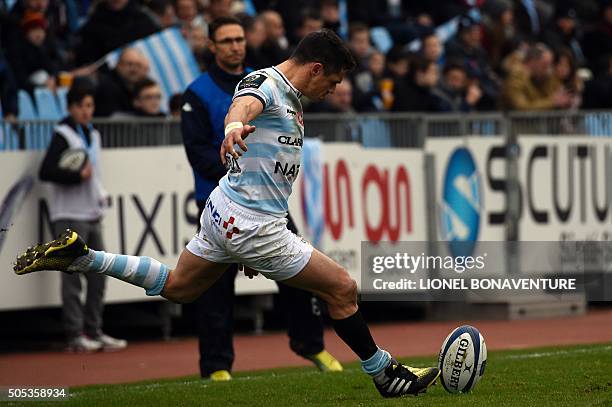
{"points": [[142, 271]]}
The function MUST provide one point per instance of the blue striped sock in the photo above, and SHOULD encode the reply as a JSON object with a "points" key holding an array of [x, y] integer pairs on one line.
{"points": [[142, 271], [376, 363]]}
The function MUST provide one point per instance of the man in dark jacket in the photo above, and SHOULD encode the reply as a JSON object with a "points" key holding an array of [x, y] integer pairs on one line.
{"points": [[415, 94], [205, 104], [467, 48], [113, 24]]}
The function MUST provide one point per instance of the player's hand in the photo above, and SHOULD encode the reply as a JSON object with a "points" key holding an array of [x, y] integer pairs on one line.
{"points": [[249, 272], [233, 138]]}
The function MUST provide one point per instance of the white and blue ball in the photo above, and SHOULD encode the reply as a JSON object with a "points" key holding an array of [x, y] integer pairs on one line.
{"points": [[462, 359], [73, 159]]}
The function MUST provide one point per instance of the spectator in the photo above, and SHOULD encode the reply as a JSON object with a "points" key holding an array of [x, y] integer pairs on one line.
{"points": [[189, 15], [341, 100], [366, 92], [276, 47], [255, 32], [219, 8], [162, 13], [529, 17], [147, 99], [77, 201], [532, 84], [8, 90], [566, 72], [415, 95], [597, 41], [113, 24], [291, 13], [330, 15], [467, 47], [53, 12], [431, 48], [115, 89], [32, 58], [562, 33], [598, 91], [174, 106], [397, 68], [359, 44], [455, 93], [198, 40], [309, 22], [501, 34]]}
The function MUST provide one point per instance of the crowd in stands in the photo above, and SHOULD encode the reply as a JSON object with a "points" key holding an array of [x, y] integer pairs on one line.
{"points": [[501, 54]]}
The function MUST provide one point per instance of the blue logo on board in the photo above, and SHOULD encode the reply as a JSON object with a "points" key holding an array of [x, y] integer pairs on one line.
{"points": [[461, 203]]}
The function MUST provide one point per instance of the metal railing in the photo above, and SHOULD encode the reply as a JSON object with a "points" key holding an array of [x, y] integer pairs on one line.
{"points": [[372, 130]]}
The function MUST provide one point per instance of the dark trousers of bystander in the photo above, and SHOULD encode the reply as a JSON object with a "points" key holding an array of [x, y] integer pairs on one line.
{"points": [[77, 317]]}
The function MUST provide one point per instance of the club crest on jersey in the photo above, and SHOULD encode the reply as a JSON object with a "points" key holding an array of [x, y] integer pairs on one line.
{"points": [[298, 116], [252, 81]]}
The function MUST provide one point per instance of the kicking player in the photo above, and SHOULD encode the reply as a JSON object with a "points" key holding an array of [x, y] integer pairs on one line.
{"points": [[244, 218]]}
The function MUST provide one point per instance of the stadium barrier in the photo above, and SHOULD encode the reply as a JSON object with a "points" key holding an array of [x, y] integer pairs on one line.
{"points": [[349, 192], [371, 130]]}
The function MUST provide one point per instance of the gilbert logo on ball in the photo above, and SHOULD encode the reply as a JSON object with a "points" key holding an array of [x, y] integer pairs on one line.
{"points": [[462, 360]]}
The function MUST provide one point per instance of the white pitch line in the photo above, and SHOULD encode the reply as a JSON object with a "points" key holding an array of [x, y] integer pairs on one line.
{"points": [[536, 355]]}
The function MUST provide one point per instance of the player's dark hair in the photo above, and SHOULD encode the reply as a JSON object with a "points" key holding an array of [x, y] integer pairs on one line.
{"points": [[220, 22], [142, 85], [326, 48], [80, 89]]}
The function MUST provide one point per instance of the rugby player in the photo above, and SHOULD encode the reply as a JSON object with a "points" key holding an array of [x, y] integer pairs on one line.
{"points": [[244, 220]]}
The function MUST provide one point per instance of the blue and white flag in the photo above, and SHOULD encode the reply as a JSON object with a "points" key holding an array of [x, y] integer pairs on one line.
{"points": [[172, 64]]}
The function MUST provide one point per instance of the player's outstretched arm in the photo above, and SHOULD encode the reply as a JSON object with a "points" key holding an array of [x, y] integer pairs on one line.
{"points": [[241, 112]]}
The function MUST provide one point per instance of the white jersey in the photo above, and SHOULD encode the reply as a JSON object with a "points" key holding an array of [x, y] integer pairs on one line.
{"points": [[263, 177]]}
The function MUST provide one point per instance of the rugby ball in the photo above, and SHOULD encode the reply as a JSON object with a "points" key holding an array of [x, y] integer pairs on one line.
{"points": [[73, 159], [462, 359]]}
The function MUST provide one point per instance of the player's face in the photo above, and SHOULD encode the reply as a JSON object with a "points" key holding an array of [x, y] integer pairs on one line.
{"points": [[321, 84], [229, 46], [82, 112]]}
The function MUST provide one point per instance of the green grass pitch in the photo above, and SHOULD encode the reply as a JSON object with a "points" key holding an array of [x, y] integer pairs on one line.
{"points": [[567, 376]]}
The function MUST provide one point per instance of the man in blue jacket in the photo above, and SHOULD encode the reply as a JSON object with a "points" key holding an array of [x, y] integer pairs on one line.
{"points": [[205, 104]]}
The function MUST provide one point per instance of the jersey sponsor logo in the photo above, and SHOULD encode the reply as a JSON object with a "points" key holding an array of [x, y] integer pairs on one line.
{"points": [[252, 82], [286, 169], [230, 231], [291, 141], [227, 225]]}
